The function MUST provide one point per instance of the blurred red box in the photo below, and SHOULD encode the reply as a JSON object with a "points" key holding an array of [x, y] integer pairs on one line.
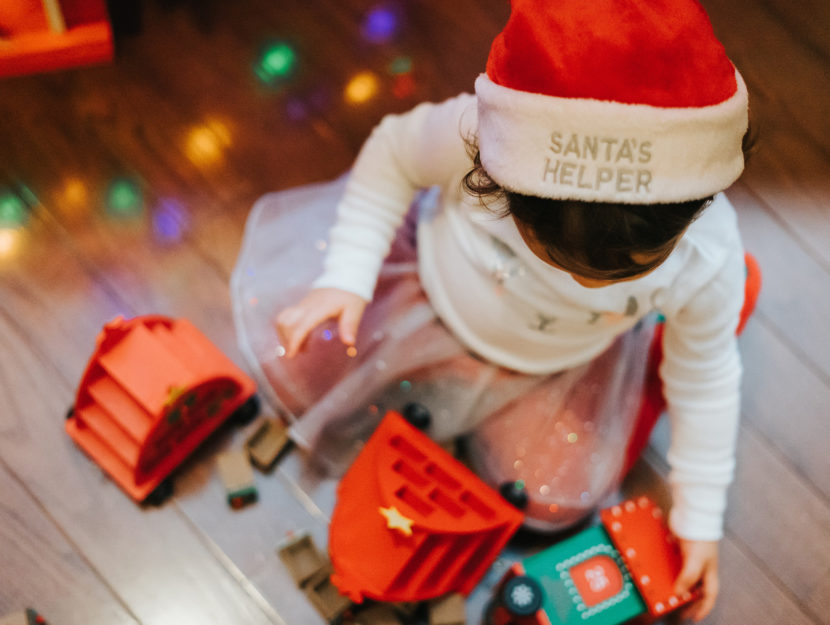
{"points": [[28, 45]]}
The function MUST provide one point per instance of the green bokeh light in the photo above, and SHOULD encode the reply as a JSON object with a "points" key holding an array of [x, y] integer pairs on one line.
{"points": [[401, 65], [278, 61], [12, 210], [124, 198]]}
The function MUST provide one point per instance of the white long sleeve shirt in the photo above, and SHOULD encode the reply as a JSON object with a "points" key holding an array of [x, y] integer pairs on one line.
{"points": [[517, 311]]}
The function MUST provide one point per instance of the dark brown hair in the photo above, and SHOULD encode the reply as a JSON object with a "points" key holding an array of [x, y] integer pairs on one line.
{"points": [[595, 240]]}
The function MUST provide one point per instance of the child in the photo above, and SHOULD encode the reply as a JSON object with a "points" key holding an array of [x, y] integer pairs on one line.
{"points": [[574, 198]]}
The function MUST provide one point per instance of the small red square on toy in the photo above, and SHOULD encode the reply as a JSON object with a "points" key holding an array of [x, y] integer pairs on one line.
{"points": [[597, 579], [650, 551]]}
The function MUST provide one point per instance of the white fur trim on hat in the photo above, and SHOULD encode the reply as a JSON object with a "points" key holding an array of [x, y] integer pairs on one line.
{"points": [[584, 149]]}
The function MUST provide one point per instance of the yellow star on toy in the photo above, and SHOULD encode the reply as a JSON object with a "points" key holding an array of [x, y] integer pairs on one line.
{"points": [[396, 521], [173, 394]]}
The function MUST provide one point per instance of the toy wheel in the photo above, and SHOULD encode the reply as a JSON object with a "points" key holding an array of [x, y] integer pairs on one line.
{"points": [[418, 415], [522, 595], [515, 493], [247, 412], [160, 494], [70, 413]]}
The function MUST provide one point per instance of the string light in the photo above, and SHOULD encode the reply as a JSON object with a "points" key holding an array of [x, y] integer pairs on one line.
{"points": [[13, 213], [361, 88], [10, 239], [170, 221], [380, 24], [276, 63], [206, 143], [124, 198]]}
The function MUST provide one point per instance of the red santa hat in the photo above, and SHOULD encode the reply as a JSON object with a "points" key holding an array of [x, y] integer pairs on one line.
{"points": [[631, 101]]}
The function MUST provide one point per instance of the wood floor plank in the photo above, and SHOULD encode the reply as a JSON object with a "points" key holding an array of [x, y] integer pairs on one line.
{"points": [[785, 71], [793, 295], [787, 401], [46, 571], [792, 178]]}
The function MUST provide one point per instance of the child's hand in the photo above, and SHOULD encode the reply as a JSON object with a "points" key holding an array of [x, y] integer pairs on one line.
{"points": [[700, 564], [294, 323]]}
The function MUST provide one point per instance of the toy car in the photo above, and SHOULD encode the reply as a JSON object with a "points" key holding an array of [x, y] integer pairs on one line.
{"points": [[605, 575], [153, 390]]}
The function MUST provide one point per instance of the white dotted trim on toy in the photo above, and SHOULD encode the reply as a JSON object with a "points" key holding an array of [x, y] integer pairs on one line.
{"points": [[565, 566]]}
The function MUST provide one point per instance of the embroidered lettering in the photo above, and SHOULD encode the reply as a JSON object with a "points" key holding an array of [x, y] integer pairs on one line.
{"points": [[643, 180], [625, 152], [572, 147], [556, 142], [645, 152], [609, 143], [625, 184], [597, 163], [553, 171], [565, 177]]}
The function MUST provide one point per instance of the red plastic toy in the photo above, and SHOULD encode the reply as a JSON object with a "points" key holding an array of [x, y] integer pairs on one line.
{"points": [[45, 35], [411, 522], [153, 390]]}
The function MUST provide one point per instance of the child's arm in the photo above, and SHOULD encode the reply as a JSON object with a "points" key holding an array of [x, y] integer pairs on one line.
{"points": [[701, 374], [418, 149]]}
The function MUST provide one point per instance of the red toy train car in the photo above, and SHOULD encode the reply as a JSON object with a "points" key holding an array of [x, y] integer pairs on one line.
{"points": [[153, 390], [411, 522]]}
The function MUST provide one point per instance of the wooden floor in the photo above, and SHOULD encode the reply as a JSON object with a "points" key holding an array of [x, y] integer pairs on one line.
{"points": [[182, 116]]}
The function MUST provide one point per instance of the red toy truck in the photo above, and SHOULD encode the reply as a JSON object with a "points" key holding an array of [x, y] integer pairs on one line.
{"points": [[153, 390]]}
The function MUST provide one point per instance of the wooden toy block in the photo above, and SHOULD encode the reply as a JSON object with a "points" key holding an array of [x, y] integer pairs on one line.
{"points": [[450, 609], [378, 614], [302, 558], [651, 553], [266, 444], [583, 579], [325, 596], [236, 474]]}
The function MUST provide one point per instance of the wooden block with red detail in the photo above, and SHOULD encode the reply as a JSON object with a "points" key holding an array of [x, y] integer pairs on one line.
{"points": [[651, 553]]}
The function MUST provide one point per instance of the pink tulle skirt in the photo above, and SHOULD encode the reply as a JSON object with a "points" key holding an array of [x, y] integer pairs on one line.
{"points": [[563, 435]]}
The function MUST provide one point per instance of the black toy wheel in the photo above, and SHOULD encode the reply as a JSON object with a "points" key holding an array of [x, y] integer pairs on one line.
{"points": [[70, 413], [247, 412], [418, 415], [160, 494], [515, 493], [522, 596]]}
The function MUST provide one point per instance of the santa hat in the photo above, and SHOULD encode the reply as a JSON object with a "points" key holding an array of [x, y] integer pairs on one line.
{"points": [[630, 101]]}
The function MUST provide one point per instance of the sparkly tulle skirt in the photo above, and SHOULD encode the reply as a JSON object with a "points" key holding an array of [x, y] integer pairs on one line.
{"points": [[563, 435]]}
